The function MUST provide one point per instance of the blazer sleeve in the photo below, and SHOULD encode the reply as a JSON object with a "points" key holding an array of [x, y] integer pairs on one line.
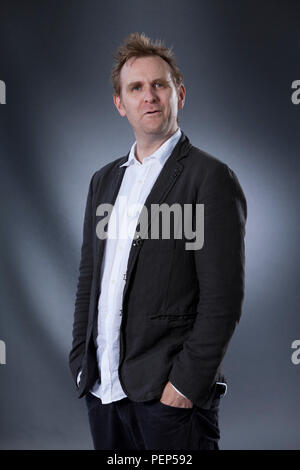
{"points": [[84, 284], [219, 268]]}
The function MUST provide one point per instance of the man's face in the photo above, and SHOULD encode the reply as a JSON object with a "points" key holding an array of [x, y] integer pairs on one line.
{"points": [[149, 98]]}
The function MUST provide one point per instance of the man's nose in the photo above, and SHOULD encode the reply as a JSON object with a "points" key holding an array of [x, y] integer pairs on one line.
{"points": [[150, 95]]}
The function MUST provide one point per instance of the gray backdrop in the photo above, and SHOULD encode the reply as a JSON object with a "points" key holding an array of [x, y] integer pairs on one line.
{"points": [[59, 126]]}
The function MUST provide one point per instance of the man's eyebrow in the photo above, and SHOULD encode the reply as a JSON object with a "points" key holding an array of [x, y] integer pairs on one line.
{"points": [[139, 82], [131, 84]]}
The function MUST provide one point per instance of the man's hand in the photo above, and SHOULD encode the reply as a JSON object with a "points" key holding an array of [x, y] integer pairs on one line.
{"points": [[172, 398]]}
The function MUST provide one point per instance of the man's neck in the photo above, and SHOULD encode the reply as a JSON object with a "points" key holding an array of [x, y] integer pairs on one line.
{"points": [[147, 146]]}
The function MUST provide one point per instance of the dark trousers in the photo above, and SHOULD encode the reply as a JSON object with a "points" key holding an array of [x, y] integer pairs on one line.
{"points": [[152, 425]]}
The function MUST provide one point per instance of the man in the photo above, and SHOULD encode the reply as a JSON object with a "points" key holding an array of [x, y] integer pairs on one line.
{"points": [[153, 319]]}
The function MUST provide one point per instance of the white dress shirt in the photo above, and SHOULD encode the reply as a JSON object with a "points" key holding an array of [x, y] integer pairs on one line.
{"points": [[136, 185]]}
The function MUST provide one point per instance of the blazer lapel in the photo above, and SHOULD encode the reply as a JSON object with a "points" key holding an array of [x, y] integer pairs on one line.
{"points": [[112, 186], [166, 179]]}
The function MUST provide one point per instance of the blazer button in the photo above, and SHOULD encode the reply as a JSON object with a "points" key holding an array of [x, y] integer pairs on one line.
{"points": [[137, 241]]}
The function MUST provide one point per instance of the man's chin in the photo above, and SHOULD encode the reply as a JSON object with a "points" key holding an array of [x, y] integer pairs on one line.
{"points": [[155, 130]]}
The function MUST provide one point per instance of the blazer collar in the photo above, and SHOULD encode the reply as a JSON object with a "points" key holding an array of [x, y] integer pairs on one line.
{"points": [[161, 154], [180, 151], [165, 180]]}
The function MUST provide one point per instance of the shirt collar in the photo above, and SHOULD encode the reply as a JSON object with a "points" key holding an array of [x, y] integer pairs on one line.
{"points": [[161, 154]]}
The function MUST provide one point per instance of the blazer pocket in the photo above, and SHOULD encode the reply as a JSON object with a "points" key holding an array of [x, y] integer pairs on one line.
{"points": [[174, 319]]}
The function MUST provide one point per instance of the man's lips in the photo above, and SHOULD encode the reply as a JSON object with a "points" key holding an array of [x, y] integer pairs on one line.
{"points": [[153, 112]]}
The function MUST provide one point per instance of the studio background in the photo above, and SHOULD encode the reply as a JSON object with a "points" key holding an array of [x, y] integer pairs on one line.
{"points": [[59, 126]]}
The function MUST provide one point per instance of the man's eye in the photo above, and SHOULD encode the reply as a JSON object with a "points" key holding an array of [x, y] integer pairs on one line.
{"points": [[136, 87], [158, 84]]}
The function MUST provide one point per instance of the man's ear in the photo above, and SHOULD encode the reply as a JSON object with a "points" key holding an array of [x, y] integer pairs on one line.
{"points": [[181, 92], [119, 105]]}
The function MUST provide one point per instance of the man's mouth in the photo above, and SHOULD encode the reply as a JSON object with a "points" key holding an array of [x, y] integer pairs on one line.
{"points": [[153, 112]]}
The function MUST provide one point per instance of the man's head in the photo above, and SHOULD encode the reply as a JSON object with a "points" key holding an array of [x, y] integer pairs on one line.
{"points": [[148, 86]]}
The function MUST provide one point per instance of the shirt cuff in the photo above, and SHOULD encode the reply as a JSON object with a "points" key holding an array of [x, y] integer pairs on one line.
{"points": [[178, 391], [78, 378], [224, 388]]}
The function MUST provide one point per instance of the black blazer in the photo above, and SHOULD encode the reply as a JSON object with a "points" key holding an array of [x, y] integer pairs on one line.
{"points": [[180, 307]]}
